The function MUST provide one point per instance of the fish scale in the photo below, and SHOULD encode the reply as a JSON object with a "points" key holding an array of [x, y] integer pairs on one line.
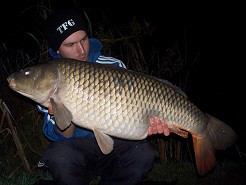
{"points": [[127, 86], [117, 102]]}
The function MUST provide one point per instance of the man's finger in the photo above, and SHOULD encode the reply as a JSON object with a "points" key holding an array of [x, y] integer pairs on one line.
{"points": [[154, 130], [165, 128], [150, 131], [160, 129], [153, 122]]}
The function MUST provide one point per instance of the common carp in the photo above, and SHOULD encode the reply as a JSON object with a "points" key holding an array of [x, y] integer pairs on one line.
{"points": [[118, 102]]}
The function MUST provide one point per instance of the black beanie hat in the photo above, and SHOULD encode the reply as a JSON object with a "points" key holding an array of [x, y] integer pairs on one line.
{"points": [[60, 24]]}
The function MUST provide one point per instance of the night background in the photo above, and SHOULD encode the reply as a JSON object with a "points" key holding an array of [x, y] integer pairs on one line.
{"points": [[206, 41]]}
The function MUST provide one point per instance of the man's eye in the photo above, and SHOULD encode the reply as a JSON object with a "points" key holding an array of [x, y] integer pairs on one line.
{"points": [[84, 39], [70, 45]]}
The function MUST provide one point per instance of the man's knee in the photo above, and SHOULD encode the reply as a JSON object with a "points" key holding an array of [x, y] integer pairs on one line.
{"points": [[62, 157], [143, 157], [58, 154], [65, 163], [147, 155]]}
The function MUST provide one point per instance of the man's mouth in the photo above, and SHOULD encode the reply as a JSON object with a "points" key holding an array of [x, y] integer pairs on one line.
{"points": [[82, 58]]}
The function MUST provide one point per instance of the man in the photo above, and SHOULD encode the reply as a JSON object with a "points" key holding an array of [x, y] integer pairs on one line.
{"points": [[74, 156]]}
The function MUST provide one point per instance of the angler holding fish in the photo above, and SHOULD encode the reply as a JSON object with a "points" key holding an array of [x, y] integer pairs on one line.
{"points": [[116, 106], [74, 156]]}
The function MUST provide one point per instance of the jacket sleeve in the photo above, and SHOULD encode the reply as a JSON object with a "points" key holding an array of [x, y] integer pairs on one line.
{"points": [[49, 128], [110, 60]]}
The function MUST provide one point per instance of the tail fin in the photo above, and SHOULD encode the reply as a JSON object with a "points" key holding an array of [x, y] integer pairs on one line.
{"points": [[204, 152], [221, 134], [217, 136]]}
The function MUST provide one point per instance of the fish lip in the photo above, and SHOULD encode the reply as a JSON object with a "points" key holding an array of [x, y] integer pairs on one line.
{"points": [[11, 82], [9, 79]]}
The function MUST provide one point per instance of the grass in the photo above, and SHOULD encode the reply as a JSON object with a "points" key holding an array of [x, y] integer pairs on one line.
{"points": [[178, 173], [184, 173], [25, 178]]}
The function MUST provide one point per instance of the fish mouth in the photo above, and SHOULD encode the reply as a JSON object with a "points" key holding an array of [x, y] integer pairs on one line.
{"points": [[11, 82], [13, 86]]}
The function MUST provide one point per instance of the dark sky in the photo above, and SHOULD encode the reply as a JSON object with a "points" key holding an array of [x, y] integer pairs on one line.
{"points": [[216, 31]]}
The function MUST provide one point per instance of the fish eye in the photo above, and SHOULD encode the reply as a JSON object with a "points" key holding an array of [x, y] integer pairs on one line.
{"points": [[27, 72]]}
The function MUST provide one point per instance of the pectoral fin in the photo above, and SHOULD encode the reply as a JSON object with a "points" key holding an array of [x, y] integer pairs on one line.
{"points": [[62, 115], [104, 141]]}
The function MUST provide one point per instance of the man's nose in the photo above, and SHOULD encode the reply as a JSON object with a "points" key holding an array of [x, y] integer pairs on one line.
{"points": [[80, 48]]}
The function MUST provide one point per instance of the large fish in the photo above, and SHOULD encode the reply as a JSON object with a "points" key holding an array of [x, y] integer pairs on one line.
{"points": [[117, 102]]}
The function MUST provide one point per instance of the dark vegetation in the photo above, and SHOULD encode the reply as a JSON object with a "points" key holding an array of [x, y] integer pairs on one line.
{"points": [[137, 40]]}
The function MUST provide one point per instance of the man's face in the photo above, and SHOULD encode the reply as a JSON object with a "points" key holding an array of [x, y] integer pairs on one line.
{"points": [[76, 46]]}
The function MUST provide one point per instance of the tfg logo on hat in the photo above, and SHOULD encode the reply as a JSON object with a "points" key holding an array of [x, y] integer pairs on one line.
{"points": [[60, 24], [64, 26]]}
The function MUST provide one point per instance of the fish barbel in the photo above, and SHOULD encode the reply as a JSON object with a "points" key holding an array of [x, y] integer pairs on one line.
{"points": [[117, 102]]}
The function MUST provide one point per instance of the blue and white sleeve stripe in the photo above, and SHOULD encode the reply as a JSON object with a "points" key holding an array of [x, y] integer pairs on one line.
{"points": [[110, 60], [42, 109], [48, 117]]}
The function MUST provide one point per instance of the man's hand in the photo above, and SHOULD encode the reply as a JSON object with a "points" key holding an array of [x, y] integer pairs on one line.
{"points": [[158, 126], [50, 110]]}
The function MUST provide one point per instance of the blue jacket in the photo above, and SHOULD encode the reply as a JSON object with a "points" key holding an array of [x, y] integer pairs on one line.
{"points": [[49, 128]]}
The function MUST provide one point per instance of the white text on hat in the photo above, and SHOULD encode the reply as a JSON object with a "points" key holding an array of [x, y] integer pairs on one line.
{"points": [[65, 25]]}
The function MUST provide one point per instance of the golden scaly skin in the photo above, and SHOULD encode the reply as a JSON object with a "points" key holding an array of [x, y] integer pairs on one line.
{"points": [[119, 102]]}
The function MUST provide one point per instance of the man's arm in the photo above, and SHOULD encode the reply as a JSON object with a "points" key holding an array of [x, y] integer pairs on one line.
{"points": [[68, 132]]}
